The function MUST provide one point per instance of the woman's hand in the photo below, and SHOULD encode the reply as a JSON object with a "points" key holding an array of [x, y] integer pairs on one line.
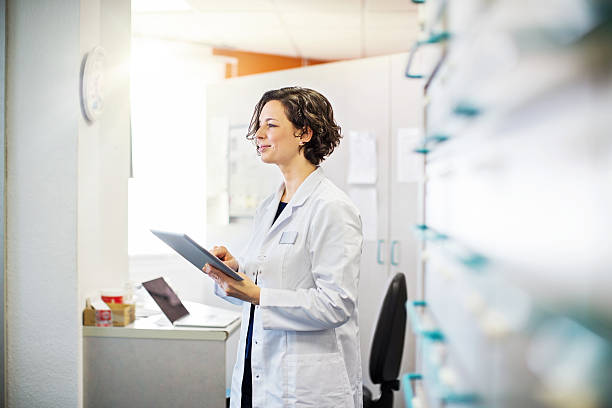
{"points": [[224, 255], [244, 290]]}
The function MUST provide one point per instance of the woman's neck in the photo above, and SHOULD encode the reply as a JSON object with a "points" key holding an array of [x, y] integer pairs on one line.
{"points": [[294, 176]]}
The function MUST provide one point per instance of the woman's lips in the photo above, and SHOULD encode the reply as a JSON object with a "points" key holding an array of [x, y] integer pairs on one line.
{"points": [[262, 148]]}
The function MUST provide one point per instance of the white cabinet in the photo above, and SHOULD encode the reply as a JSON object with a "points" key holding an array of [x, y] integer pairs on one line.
{"points": [[148, 364]]}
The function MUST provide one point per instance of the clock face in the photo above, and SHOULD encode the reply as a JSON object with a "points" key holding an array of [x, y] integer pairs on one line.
{"points": [[93, 81]]}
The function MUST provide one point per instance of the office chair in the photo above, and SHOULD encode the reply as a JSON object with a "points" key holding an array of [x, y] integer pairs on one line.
{"points": [[388, 344]]}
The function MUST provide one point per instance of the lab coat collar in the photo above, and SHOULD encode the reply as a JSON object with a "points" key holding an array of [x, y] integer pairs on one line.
{"points": [[301, 195], [307, 187]]}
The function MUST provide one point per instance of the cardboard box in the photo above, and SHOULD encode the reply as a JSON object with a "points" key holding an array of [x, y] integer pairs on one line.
{"points": [[89, 315], [123, 314]]}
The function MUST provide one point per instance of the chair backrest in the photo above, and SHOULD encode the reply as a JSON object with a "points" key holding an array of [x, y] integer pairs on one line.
{"points": [[388, 341]]}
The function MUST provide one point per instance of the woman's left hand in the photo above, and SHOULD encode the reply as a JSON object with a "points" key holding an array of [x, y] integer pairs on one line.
{"points": [[245, 289]]}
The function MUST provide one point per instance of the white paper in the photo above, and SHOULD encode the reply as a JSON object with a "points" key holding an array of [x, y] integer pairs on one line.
{"points": [[409, 163], [365, 200], [362, 160]]}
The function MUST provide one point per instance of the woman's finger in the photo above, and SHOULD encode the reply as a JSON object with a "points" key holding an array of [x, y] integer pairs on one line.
{"points": [[218, 251]]}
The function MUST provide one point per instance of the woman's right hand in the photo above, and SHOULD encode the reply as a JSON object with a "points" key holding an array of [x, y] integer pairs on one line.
{"points": [[223, 254]]}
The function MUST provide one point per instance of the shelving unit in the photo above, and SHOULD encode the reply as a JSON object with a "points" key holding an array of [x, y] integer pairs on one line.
{"points": [[515, 257]]}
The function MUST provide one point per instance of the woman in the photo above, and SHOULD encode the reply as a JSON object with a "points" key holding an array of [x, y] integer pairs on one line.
{"points": [[300, 268]]}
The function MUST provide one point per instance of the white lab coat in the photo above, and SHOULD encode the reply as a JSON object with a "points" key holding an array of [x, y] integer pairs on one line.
{"points": [[305, 348]]}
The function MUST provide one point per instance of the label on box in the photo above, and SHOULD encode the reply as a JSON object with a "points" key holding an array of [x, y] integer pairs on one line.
{"points": [[104, 318]]}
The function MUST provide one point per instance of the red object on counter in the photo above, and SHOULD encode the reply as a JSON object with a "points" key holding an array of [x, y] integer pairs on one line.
{"points": [[112, 299], [112, 295]]}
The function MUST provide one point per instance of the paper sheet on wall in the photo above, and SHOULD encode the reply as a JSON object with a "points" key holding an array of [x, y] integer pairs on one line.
{"points": [[365, 200], [409, 164], [362, 159]]}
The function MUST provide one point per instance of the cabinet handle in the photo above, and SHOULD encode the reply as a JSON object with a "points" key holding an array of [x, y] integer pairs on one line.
{"points": [[474, 261], [413, 51], [378, 252], [426, 233], [466, 109], [426, 144], [433, 39], [436, 138], [393, 245], [415, 321], [407, 380]]}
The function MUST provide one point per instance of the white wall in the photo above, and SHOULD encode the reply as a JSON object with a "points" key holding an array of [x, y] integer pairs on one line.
{"points": [[103, 153], [66, 190]]}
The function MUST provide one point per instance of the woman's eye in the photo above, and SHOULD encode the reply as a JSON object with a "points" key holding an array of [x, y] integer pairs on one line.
{"points": [[271, 125]]}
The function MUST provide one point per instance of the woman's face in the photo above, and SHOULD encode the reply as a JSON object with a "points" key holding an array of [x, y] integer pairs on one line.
{"points": [[276, 137]]}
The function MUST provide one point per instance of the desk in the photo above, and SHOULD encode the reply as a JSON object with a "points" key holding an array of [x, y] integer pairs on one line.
{"points": [[147, 365]]}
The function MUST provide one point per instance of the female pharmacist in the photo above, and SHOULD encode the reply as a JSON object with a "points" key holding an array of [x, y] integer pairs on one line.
{"points": [[299, 342]]}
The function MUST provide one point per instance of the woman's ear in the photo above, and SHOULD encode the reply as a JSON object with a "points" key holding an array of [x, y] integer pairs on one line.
{"points": [[306, 135]]}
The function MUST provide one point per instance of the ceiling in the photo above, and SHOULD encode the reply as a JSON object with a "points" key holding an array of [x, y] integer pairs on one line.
{"points": [[317, 29]]}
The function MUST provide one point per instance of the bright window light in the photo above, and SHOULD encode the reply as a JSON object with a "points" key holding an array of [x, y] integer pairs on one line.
{"points": [[168, 188]]}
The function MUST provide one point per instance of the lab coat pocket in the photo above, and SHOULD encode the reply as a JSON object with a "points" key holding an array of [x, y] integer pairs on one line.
{"points": [[317, 380], [296, 268], [272, 269]]}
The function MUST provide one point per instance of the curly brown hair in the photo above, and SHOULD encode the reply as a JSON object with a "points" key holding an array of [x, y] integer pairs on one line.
{"points": [[305, 108]]}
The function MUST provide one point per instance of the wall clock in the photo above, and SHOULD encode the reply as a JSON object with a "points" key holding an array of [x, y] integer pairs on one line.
{"points": [[92, 83]]}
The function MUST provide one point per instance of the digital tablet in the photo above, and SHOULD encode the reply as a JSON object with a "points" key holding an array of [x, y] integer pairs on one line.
{"points": [[194, 253]]}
